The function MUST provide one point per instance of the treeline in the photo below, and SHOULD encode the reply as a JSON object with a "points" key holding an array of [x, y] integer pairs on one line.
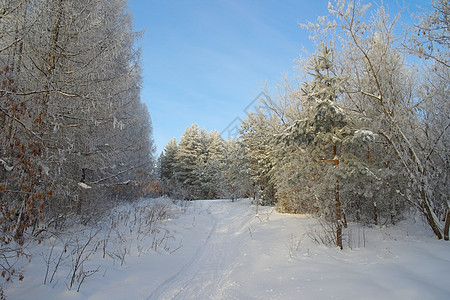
{"points": [[73, 132], [201, 166], [362, 134]]}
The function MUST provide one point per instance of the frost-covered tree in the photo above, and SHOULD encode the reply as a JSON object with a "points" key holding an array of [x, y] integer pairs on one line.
{"points": [[210, 167], [257, 139], [389, 90], [237, 181], [333, 143], [73, 131], [325, 127], [79, 75], [189, 151], [429, 38]]}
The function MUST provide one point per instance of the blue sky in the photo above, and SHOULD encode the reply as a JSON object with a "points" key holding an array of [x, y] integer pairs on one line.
{"points": [[205, 61]]}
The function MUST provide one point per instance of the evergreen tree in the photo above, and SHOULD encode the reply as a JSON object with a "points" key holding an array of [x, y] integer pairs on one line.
{"points": [[210, 175], [257, 139], [389, 90], [189, 154], [237, 182], [326, 133], [168, 160]]}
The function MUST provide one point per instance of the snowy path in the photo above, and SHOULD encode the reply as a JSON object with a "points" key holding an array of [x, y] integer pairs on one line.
{"points": [[206, 272], [219, 250], [269, 256]]}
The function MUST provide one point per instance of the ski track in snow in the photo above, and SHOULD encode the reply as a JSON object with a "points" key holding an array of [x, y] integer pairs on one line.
{"points": [[223, 250], [213, 260]]}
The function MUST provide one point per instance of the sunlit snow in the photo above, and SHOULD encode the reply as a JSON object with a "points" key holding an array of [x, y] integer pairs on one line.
{"points": [[217, 249]]}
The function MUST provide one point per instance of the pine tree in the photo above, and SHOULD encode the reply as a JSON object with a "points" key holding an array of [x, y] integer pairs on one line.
{"points": [[325, 133], [212, 180], [235, 178], [168, 160], [257, 139], [391, 91], [190, 150]]}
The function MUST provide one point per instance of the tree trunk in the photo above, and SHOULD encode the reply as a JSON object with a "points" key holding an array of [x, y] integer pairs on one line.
{"points": [[338, 205], [55, 38], [232, 190], [429, 215], [447, 225], [375, 213], [432, 223], [338, 217], [344, 219]]}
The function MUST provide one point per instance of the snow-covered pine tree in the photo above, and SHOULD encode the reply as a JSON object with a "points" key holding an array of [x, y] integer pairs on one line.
{"points": [[325, 133], [189, 152], [236, 180], [194, 168], [293, 180], [328, 127], [200, 174], [212, 179], [257, 139]]}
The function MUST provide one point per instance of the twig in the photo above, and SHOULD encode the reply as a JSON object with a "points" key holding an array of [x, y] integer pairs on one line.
{"points": [[21, 123]]}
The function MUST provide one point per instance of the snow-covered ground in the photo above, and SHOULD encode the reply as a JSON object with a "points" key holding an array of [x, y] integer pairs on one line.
{"points": [[222, 250]]}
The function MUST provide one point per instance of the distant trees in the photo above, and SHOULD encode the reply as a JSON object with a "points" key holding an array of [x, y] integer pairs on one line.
{"points": [[73, 129], [210, 166], [167, 160], [257, 140], [201, 166]]}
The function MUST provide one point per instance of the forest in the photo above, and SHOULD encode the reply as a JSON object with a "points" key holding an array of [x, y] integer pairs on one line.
{"points": [[360, 134], [74, 135]]}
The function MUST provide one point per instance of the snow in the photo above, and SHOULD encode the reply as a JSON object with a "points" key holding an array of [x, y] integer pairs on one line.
{"points": [[84, 185], [218, 249], [6, 166]]}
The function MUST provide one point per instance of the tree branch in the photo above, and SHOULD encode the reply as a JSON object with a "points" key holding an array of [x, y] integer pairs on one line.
{"points": [[117, 174], [21, 123]]}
